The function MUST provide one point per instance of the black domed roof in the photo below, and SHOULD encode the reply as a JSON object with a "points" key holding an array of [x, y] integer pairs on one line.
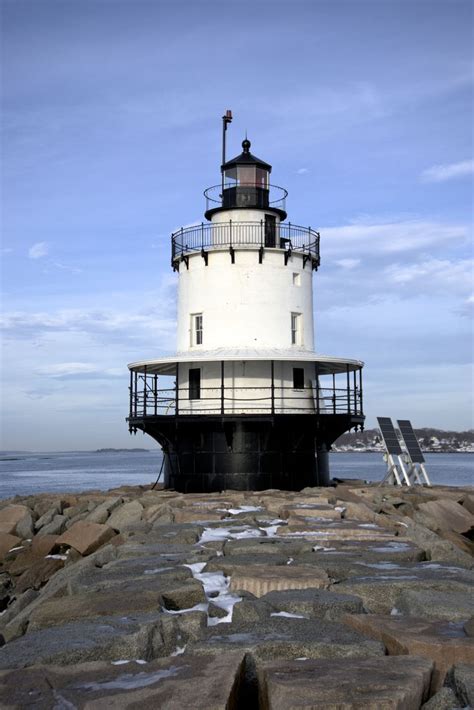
{"points": [[246, 158]]}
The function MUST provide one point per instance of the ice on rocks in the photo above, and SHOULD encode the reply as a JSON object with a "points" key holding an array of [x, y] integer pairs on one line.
{"points": [[178, 651], [244, 509], [130, 681], [288, 615], [196, 607], [234, 533], [216, 588]]}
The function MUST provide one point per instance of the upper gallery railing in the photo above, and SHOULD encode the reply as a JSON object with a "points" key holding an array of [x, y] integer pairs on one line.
{"points": [[233, 194], [258, 235]]}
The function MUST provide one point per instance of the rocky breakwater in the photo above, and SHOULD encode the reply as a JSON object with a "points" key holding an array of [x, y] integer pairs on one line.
{"points": [[350, 596]]}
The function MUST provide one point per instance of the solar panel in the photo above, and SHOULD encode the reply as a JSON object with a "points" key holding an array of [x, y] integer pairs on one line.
{"points": [[411, 441], [389, 436]]}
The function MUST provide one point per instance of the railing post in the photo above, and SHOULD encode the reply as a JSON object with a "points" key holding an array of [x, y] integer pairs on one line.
{"points": [[202, 235], [177, 390], [230, 232], [333, 393], [181, 243], [316, 374], [273, 387], [222, 386], [261, 232], [136, 392], [360, 392], [355, 391], [156, 394], [131, 394], [348, 390]]}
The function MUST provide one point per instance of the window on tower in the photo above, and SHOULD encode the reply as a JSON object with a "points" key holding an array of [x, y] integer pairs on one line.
{"points": [[296, 328], [196, 329]]}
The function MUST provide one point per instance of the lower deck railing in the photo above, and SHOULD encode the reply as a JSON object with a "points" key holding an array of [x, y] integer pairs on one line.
{"points": [[147, 400]]}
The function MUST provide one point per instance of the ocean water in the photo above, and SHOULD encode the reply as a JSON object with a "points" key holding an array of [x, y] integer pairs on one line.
{"points": [[30, 473]]}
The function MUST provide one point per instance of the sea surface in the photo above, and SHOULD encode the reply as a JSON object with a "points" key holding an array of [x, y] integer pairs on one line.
{"points": [[29, 473]]}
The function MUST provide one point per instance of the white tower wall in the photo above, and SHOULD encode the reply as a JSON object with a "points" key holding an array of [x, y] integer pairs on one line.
{"points": [[245, 304]]}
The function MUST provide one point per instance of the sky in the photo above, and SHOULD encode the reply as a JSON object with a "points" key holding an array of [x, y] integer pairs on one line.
{"points": [[111, 130]]}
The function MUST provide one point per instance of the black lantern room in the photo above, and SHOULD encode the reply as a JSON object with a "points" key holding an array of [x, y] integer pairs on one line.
{"points": [[246, 185]]}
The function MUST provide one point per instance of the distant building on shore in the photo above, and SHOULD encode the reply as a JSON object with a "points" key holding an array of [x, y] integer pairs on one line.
{"points": [[246, 403]]}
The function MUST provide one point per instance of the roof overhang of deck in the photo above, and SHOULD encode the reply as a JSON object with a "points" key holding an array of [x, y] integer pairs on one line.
{"points": [[327, 364]]}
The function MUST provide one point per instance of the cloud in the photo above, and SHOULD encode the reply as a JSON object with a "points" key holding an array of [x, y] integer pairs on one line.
{"points": [[38, 250], [78, 370], [302, 171], [388, 238], [451, 171], [348, 263], [102, 325], [434, 274]]}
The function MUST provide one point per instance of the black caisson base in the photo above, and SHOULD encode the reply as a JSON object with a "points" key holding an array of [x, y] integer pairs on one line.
{"points": [[205, 453]]}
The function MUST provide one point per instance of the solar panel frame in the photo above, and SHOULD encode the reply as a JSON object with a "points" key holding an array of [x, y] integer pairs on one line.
{"points": [[389, 436], [411, 442]]}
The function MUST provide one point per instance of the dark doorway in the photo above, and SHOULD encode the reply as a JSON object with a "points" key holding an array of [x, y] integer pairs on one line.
{"points": [[270, 230], [298, 378], [195, 383]]}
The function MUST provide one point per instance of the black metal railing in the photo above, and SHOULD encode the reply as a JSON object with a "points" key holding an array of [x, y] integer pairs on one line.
{"points": [[259, 195], [147, 400], [257, 235]]}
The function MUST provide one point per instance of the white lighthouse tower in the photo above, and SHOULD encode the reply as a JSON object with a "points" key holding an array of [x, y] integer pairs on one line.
{"points": [[250, 404]]}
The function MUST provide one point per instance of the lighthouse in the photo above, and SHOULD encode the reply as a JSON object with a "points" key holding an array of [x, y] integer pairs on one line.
{"points": [[247, 402]]}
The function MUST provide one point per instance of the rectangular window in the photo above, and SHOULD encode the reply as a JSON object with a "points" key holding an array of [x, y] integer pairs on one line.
{"points": [[298, 378], [296, 279], [296, 328], [195, 383], [196, 329]]}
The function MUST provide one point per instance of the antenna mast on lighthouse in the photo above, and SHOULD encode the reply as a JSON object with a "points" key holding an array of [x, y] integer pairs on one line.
{"points": [[226, 118]]}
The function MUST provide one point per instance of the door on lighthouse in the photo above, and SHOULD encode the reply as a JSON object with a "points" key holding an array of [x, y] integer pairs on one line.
{"points": [[270, 230]]}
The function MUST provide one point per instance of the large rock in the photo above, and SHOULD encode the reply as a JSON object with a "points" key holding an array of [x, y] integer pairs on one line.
{"points": [[183, 596], [86, 537], [13, 516], [283, 637], [8, 542], [369, 683], [126, 515], [443, 643], [444, 699], [445, 514], [461, 679], [42, 545], [308, 511], [55, 527], [111, 638], [265, 578], [94, 604], [433, 604], [380, 589], [468, 503], [197, 682], [103, 510], [38, 574], [337, 531], [314, 603], [438, 550], [47, 517]]}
